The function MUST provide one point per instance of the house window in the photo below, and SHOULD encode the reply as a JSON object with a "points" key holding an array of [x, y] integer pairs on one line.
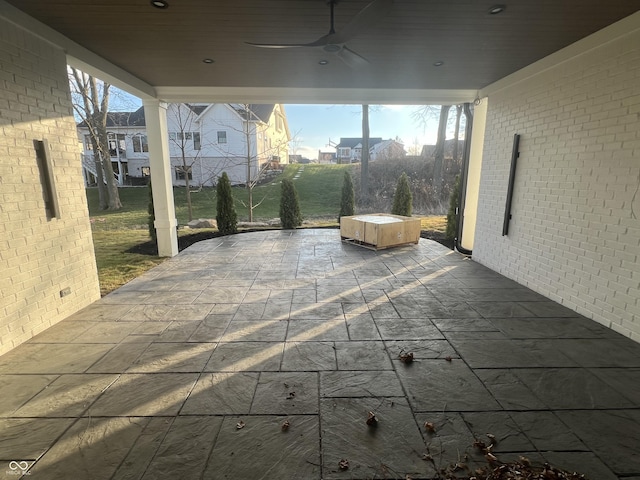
{"points": [[88, 145], [196, 141], [222, 137], [180, 175], [172, 136], [140, 143], [344, 152]]}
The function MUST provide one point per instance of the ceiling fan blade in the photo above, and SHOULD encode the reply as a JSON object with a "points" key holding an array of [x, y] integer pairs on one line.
{"points": [[373, 12], [321, 42], [351, 58]]}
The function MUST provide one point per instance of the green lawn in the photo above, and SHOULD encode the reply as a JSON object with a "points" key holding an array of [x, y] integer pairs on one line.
{"points": [[319, 188]]}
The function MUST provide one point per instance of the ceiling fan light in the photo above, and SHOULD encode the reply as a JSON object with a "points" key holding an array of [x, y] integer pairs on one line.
{"points": [[439, 63], [332, 48], [208, 60], [159, 3], [496, 9], [323, 62]]}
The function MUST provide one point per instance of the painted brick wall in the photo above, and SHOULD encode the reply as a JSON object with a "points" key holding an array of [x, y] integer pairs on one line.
{"points": [[575, 232], [39, 257]]}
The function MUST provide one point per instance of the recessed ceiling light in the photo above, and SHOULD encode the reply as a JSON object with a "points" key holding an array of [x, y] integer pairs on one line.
{"points": [[438, 64], [208, 60], [496, 9], [323, 62], [159, 3]]}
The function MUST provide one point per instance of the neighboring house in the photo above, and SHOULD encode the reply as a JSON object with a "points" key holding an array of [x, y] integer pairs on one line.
{"points": [[349, 150], [204, 141], [387, 149], [326, 157]]}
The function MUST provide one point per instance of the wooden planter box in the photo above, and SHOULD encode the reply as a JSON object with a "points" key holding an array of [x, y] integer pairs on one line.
{"points": [[380, 230]]}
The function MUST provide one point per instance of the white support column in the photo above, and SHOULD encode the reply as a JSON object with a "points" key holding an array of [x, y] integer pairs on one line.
{"points": [[473, 175], [155, 114]]}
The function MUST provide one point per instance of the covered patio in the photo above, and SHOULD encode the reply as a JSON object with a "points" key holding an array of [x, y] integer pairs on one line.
{"points": [[192, 370]]}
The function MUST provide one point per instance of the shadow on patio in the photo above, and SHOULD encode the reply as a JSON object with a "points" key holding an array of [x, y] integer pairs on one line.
{"points": [[191, 370]]}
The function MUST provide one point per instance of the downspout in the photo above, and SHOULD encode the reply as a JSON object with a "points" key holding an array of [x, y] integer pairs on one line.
{"points": [[463, 178]]}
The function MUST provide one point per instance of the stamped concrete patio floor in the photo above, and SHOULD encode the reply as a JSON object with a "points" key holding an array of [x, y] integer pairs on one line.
{"points": [[252, 330]]}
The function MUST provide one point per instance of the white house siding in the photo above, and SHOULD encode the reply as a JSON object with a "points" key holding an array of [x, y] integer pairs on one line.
{"points": [[39, 257], [575, 232]]}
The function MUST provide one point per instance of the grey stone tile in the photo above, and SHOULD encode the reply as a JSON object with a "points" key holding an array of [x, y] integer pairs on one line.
{"points": [[276, 311], [221, 394], [613, 435], [184, 451], [18, 389], [316, 311], [436, 385], [495, 309], [508, 434], [548, 309], [362, 327], [421, 349], [29, 438], [144, 395], [143, 450], [313, 330], [626, 381], [178, 331], [571, 388], [546, 431], [509, 354], [552, 328], [365, 383], [250, 311], [607, 352], [101, 310], [450, 440], [286, 393], [222, 294], [261, 449], [309, 356], [463, 324], [107, 332], [52, 358], [345, 435], [248, 331], [364, 355], [408, 329], [245, 356], [383, 310], [256, 296], [210, 329], [509, 390], [119, 358], [581, 462], [172, 357], [167, 312], [91, 448], [341, 293], [62, 332], [456, 336], [67, 396]]}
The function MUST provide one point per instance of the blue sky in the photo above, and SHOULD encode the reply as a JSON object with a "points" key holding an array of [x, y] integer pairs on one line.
{"points": [[312, 126]]}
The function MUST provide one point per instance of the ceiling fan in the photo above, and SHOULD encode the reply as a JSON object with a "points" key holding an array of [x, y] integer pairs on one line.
{"points": [[334, 42]]}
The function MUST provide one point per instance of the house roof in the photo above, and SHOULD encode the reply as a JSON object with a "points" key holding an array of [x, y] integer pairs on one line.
{"points": [[262, 111], [353, 142], [123, 119]]}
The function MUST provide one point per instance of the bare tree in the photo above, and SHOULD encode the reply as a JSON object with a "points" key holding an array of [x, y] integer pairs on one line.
{"points": [[456, 133], [364, 166], [185, 136], [91, 104], [438, 154]]}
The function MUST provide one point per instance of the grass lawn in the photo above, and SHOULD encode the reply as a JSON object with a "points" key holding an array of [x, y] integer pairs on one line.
{"points": [[319, 188]]}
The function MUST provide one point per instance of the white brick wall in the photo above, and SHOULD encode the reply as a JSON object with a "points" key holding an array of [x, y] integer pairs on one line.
{"points": [[39, 257], [575, 232]]}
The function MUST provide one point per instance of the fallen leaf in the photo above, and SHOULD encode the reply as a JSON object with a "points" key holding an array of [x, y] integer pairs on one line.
{"points": [[448, 358], [285, 426], [291, 395], [427, 457], [239, 425], [491, 458], [430, 427], [479, 444], [372, 420], [492, 439], [343, 464], [406, 357]]}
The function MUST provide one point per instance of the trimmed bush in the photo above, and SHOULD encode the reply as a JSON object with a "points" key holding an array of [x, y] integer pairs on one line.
{"points": [[452, 215], [290, 216], [348, 199], [152, 215], [402, 198], [226, 215]]}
